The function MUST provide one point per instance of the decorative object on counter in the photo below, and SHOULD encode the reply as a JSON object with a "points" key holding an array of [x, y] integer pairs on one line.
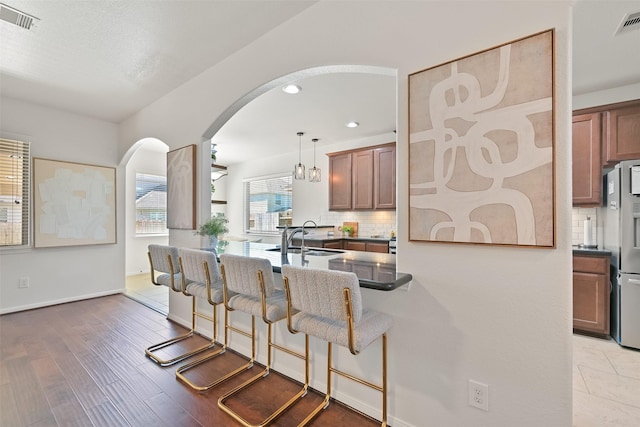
{"points": [[481, 147], [352, 224], [298, 170], [181, 188], [314, 172], [347, 230], [215, 226], [588, 235]]}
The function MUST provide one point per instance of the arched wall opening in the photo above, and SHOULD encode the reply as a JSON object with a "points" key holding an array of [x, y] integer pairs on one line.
{"points": [[146, 156]]}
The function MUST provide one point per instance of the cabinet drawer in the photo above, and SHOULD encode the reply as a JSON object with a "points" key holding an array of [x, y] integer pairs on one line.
{"points": [[355, 246], [589, 264]]}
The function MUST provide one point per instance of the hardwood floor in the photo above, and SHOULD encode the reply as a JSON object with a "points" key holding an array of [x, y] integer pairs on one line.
{"points": [[83, 364]]}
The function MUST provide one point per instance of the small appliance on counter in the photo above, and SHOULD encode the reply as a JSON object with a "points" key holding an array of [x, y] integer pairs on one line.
{"points": [[622, 238]]}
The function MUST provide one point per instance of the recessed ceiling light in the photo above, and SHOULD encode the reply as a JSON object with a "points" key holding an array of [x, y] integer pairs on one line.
{"points": [[292, 89], [352, 124]]}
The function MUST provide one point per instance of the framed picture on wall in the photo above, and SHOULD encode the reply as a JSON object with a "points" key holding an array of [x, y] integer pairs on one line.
{"points": [[73, 204], [481, 147], [181, 188]]}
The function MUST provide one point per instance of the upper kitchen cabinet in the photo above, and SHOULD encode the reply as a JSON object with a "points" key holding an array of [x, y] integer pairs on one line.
{"points": [[621, 133], [587, 184], [363, 179]]}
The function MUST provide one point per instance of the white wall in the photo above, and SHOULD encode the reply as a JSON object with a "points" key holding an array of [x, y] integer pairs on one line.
{"points": [[65, 273], [498, 315], [145, 159], [604, 97]]}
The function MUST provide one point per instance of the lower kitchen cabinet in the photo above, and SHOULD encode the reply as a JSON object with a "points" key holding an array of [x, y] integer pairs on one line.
{"points": [[334, 244], [591, 294], [354, 245]]}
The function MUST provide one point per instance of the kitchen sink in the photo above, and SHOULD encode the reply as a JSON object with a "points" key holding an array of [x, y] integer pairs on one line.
{"points": [[310, 251]]}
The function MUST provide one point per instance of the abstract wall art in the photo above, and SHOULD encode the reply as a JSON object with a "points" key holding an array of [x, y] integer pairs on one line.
{"points": [[481, 147], [73, 204], [181, 188]]}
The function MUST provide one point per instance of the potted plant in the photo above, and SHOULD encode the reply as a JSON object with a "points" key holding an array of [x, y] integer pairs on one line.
{"points": [[347, 229], [215, 226]]}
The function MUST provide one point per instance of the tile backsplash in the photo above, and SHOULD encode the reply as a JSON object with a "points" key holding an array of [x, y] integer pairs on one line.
{"points": [[579, 217], [370, 223]]}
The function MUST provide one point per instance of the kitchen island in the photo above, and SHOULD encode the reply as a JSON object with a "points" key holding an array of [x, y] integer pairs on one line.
{"points": [[374, 270]]}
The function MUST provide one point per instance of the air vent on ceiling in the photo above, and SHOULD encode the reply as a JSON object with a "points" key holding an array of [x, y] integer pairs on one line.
{"points": [[16, 17], [629, 23]]}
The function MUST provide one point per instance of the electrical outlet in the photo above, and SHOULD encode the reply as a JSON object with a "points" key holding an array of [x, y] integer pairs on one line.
{"points": [[478, 395], [23, 282]]}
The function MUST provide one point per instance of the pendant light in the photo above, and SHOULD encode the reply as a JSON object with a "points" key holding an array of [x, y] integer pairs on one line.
{"points": [[314, 172], [298, 170]]}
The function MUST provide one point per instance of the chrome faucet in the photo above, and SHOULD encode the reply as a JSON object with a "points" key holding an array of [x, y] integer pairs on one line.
{"points": [[286, 240], [302, 248]]}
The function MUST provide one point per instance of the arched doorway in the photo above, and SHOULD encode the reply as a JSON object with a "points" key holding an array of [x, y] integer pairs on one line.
{"points": [[145, 196]]}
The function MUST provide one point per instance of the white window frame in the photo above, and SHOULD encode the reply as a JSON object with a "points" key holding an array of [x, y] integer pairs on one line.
{"points": [[247, 210], [163, 232], [19, 169]]}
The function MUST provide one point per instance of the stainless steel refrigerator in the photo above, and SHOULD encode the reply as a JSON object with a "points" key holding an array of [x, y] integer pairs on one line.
{"points": [[622, 238]]}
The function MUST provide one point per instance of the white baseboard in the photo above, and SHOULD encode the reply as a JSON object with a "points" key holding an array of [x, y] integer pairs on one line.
{"points": [[60, 301]]}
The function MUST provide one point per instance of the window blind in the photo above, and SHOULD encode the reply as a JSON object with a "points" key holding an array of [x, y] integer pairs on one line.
{"points": [[15, 172]]}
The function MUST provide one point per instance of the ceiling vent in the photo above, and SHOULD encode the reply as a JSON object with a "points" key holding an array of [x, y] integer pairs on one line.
{"points": [[629, 23], [16, 17]]}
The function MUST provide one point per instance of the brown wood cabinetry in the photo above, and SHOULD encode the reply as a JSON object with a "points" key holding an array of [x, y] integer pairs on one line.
{"points": [[587, 182], [621, 133], [591, 294], [377, 247], [340, 182], [336, 244], [363, 179], [384, 179], [354, 245]]}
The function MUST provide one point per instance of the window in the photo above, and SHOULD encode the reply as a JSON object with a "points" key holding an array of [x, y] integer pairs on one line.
{"points": [[151, 204], [268, 203], [15, 160]]}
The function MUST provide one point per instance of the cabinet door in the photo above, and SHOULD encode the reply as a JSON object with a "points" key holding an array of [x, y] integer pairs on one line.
{"points": [[587, 183], [363, 179], [622, 134], [377, 247], [340, 195], [333, 245], [384, 179], [590, 302], [352, 245]]}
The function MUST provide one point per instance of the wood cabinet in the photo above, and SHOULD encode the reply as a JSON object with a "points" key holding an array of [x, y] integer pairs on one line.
{"points": [[363, 179], [377, 247], [384, 179], [340, 182], [621, 133], [587, 181], [591, 294], [334, 244], [355, 245]]}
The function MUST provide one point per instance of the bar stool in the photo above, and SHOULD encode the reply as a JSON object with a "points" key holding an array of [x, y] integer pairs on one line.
{"points": [[165, 260], [253, 283], [203, 280], [327, 304]]}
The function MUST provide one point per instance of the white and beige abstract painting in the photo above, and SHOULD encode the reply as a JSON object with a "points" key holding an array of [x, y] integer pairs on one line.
{"points": [[181, 188], [481, 147]]}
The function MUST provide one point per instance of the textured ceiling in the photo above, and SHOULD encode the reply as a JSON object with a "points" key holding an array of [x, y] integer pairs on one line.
{"points": [[109, 59]]}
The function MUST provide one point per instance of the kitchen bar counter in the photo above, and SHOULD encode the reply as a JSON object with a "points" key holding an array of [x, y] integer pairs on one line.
{"points": [[374, 270], [579, 250]]}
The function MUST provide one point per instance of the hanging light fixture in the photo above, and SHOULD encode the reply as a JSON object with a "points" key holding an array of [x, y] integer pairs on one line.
{"points": [[298, 170], [314, 172]]}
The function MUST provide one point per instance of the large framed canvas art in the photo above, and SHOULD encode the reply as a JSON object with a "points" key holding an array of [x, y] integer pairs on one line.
{"points": [[481, 147], [73, 204], [181, 188]]}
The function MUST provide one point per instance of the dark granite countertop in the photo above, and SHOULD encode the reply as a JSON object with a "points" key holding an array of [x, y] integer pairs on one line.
{"points": [[598, 251], [318, 237], [374, 270]]}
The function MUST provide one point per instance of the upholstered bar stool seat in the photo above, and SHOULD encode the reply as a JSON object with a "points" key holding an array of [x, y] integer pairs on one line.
{"points": [[252, 281], [327, 304]]}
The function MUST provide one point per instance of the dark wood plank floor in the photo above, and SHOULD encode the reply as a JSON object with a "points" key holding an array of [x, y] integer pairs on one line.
{"points": [[83, 364]]}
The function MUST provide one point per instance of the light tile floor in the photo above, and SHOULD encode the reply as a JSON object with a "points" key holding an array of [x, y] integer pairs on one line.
{"points": [[606, 384], [140, 288], [606, 376]]}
